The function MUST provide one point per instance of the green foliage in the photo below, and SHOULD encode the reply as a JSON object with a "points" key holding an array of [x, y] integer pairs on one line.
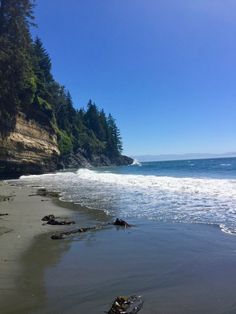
{"points": [[17, 81], [27, 85], [114, 142], [42, 69], [64, 142]]}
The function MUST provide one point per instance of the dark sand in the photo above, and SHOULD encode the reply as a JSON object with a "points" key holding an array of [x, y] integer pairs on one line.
{"points": [[177, 268]]}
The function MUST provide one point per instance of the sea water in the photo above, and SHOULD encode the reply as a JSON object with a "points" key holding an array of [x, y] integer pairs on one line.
{"points": [[189, 191]]}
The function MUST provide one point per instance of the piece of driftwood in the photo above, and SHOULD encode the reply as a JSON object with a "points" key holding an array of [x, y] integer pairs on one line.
{"points": [[45, 192], [63, 235], [51, 220]]}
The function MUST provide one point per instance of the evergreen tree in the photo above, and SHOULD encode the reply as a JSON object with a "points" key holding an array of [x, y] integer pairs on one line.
{"points": [[114, 142], [27, 85], [104, 126], [17, 80], [42, 70]]}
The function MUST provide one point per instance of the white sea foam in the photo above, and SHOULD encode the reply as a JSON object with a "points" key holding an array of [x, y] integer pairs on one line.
{"points": [[194, 200], [136, 163]]}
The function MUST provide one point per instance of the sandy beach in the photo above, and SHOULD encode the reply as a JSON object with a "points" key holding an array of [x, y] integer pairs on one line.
{"points": [[177, 268], [19, 229]]}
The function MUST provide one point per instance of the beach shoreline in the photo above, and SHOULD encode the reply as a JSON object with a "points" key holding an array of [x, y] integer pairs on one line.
{"points": [[20, 226], [177, 268]]}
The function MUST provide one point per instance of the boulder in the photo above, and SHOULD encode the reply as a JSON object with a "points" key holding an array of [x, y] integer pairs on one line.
{"points": [[121, 223], [126, 305]]}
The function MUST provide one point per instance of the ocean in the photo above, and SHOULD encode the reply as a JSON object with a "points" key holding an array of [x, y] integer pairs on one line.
{"points": [[189, 191], [175, 255]]}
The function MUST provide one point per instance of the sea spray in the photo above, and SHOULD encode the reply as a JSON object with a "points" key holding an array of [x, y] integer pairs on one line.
{"points": [[136, 192]]}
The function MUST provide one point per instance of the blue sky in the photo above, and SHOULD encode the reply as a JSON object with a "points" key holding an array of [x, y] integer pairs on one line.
{"points": [[165, 69]]}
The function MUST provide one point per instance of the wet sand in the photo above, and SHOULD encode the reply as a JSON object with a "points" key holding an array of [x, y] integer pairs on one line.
{"points": [[19, 229], [177, 268]]}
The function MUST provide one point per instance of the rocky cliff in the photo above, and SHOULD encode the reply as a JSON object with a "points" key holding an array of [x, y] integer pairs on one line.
{"points": [[32, 148], [29, 148], [40, 128], [82, 159]]}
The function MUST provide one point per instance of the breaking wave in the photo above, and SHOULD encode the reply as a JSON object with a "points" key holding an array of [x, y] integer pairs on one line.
{"points": [[136, 163], [163, 198]]}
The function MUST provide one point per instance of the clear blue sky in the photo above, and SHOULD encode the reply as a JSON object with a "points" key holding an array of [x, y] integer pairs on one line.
{"points": [[165, 69]]}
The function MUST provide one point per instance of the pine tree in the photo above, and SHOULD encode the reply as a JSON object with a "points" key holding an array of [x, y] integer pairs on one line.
{"points": [[114, 142], [104, 126], [27, 85], [17, 80], [92, 120], [42, 69]]}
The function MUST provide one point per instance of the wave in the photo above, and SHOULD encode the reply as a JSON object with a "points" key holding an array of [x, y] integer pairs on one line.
{"points": [[188, 200], [214, 187], [136, 163], [227, 230]]}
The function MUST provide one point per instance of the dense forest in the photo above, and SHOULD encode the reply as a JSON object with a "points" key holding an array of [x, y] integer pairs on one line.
{"points": [[27, 85]]}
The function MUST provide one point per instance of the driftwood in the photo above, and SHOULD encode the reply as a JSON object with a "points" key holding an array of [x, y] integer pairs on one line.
{"points": [[54, 222], [126, 305], [63, 235], [46, 193], [51, 220]]}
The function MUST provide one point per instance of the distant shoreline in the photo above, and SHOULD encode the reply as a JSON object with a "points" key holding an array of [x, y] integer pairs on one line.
{"points": [[149, 158]]}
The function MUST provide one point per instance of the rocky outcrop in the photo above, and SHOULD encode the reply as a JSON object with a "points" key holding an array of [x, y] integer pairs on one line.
{"points": [[81, 159], [29, 148]]}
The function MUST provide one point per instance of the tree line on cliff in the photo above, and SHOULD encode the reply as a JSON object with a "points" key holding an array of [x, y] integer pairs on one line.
{"points": [[28, 86]]}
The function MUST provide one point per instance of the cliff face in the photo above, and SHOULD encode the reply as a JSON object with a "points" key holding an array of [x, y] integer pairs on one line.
{"points": [[81, 159], [30, 148]]}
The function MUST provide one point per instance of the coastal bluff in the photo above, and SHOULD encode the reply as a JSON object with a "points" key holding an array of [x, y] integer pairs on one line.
{"points": [[29, 148], [41, 129], [32, 148]]}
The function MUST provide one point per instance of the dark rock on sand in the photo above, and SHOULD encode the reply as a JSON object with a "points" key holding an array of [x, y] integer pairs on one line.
{"points": [[121, 223], [48, 217], [126, 305]]}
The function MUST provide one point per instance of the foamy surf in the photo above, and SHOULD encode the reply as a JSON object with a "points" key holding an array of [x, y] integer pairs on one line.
{"points": [[136, 163], [163, 198]]}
